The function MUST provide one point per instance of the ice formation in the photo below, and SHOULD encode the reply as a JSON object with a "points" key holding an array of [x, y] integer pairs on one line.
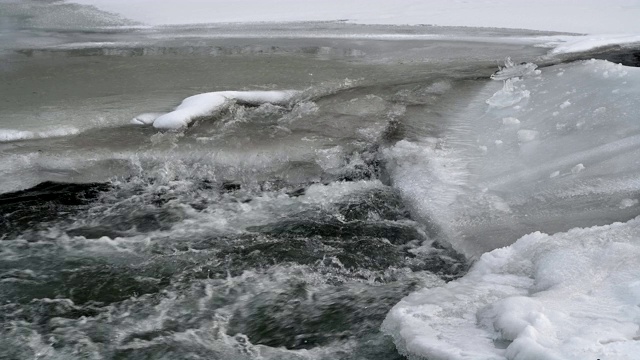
{"points": [[567, 160], [508, 96], [553, 164], [207, 104], [512, 70], [572, 295]]}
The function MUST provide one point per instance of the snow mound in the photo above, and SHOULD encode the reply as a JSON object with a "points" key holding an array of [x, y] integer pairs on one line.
{"points": [[208, 104], [573, 295]]}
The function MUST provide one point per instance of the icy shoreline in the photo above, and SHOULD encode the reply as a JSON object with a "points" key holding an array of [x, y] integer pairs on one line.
{"points": [[552, 150]]}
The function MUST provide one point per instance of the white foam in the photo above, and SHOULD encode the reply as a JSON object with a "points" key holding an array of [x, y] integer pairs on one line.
{"points": [[208, 104], [572, 295], [429, 179], [15, 135]]}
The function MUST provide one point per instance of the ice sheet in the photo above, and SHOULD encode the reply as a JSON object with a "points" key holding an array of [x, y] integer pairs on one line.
{"points": [[613, 16], [549, 152], [572, 295]]}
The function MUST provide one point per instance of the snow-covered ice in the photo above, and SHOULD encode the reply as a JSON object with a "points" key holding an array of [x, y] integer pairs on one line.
{"points": [[573, 44], [207, 104], [580, 16], [570, 296]]}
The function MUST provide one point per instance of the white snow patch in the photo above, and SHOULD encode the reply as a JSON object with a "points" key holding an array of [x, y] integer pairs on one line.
{"points": [[208, 104], [565, 104]]}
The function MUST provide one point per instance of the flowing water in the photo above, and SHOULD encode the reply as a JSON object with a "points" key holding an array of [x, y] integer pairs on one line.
{"points": [[263, 232]]}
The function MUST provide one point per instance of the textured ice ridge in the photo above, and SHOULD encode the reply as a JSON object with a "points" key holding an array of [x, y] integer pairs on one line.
{"points": [[207, 104], [512, 70]]}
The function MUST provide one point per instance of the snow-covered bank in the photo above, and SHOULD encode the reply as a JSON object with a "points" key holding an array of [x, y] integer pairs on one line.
{"points": [[572, 295], [581, 16], [208, 104]]}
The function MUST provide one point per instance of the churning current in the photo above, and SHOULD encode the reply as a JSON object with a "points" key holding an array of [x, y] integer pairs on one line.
{"points": [[263, 228]]}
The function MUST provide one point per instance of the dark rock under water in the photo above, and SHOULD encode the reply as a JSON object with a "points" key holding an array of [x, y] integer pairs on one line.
{"points": [[29, 209]]}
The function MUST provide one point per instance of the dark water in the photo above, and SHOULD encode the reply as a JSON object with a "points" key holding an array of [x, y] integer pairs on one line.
{"points": [[96, 271]]}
